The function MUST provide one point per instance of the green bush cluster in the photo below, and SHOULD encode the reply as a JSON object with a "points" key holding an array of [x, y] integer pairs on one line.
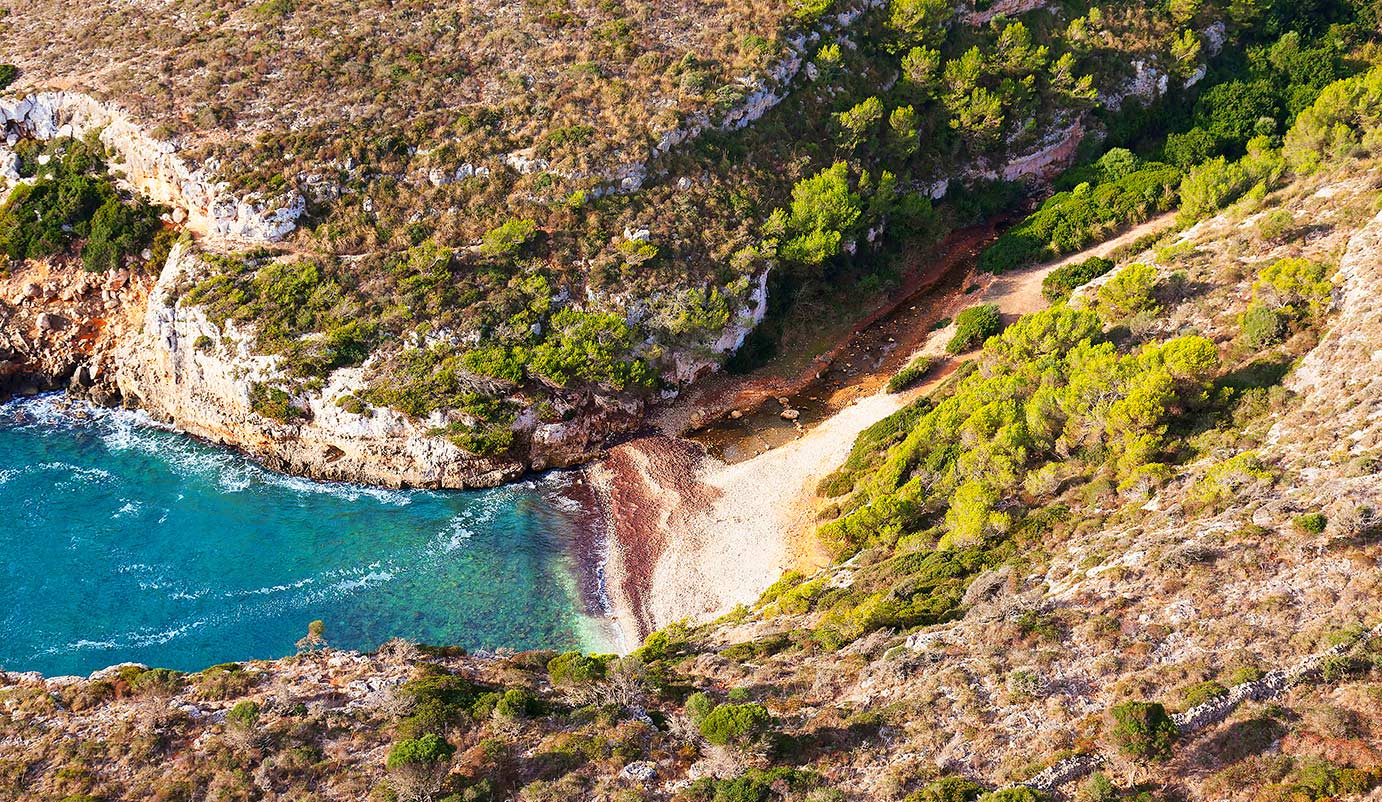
{"points": [[73, 200], [1061, 282], [577, 668], [1202, 692], [754, 785], [973, 326], [731, 723], [274, 402], [1343, 122], [1049, 387], [1262, 326], [1128, 293], [1143, 731], [915, 371], [1311, 523], [1070, 221], [950, 788]]}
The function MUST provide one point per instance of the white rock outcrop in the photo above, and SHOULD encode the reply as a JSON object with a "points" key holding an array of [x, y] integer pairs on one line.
{"points": [[182, 369], [151, 166]]}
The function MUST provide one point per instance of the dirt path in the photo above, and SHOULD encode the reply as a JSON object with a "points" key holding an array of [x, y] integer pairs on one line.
{"points": [[702, 526]]}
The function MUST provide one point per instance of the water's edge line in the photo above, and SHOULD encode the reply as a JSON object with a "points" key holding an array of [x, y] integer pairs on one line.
{"points": [[576, 485]]}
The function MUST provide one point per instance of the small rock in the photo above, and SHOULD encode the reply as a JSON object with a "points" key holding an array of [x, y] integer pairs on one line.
{"points": [[736, 414], [642, 771], [790, 414], [179, 216], [49, 322], [32, 291]]}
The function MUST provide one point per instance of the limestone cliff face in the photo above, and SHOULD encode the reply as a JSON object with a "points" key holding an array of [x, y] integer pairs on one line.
{"points": [[183, 369], [200, 201]]}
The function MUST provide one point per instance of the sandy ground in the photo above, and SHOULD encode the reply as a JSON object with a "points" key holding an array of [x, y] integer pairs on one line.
{"points": [[693, 536]]}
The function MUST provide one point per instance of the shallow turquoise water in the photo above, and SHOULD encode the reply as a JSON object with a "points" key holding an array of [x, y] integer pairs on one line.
{"points": [[120, 541]]}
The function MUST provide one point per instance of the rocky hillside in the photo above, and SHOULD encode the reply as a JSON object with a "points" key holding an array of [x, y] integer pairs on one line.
{"points": [[502, 232], [1127, 550]]}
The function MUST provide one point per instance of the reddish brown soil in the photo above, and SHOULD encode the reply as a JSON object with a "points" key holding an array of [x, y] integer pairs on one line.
{"points": [[864, 356], [647, 483]]}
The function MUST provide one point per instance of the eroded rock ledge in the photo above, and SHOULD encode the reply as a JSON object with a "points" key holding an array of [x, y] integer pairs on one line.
{"points": [[201, 202]]}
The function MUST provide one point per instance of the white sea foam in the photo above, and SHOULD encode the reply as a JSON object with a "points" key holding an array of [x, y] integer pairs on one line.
{"points": [[455, 535], [372, 578], [134, 430], [86, 476], [271, 589], [135, 639]]}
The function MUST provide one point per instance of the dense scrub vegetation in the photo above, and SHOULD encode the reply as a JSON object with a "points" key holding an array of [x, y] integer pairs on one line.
{"points": [[1252, 97], [71, 204], [1071, 405], [522, 284]]}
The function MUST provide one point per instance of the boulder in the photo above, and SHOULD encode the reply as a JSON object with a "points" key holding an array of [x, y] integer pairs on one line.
{"points": [[47, 321]]}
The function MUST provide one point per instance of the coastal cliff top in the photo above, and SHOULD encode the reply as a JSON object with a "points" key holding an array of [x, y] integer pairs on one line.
{"points": [[579, 84]]}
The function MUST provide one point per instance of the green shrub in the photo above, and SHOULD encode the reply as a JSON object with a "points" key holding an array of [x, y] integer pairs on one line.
{"points": [[1261, 325], [1188, 149], [224, 681], [1202, 692], [1061, 282], [909, 376], [1143, 731], [576, 668], [417, 766], [1214, 184], [594, 347], [1341, 667], [1311, 523], [735, 723], [663, 644], [275, 8], [1276, 225], [1343, 122], [78, 201], [1097, 788], [157, 682], [953, 788], [973, 326], [1300, 286], [507, 240], [516, 703], [8, 73], [1020, 793], [438, 700], [273, 402], [244, 715], [1245, 674], [698, 706], [1128, 293], [1070, 221]]}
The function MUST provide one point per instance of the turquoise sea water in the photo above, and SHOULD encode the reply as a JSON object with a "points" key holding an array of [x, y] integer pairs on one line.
{"points": [[121, 541]]}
